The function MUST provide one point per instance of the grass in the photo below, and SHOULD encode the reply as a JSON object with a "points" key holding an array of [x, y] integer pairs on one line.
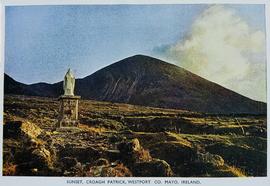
{"points": [[179, 139], [9, 169], [237, 171], [98, 130], [244, 155]]}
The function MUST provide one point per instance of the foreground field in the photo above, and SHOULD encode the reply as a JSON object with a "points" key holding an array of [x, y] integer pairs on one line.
{"points": [[126, 140]]}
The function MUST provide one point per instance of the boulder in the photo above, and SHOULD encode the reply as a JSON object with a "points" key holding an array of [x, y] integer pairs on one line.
{"points": [[177, 154], [34, 161], [140, 161], [174, 152], [132, 152], [17, 129], [213, 159], [41, 158], [153, 168]]}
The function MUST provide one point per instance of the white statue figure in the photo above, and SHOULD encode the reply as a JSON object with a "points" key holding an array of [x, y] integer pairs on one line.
{"points": [[69, 83]]}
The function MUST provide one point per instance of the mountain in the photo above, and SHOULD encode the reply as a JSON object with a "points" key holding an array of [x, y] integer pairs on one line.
{"points": [[12, 86], [143, 80]]}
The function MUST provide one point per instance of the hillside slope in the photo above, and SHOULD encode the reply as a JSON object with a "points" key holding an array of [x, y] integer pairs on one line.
{"points": [[127, 140], [143, 80]]}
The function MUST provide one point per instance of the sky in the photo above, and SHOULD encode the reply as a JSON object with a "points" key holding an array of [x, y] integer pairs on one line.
{"points": [[222, 43]]}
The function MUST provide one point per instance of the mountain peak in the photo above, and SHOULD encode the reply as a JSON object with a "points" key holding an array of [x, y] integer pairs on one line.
{"points": [[140, 59], [147, 81], [141, 65], [139, 56]]}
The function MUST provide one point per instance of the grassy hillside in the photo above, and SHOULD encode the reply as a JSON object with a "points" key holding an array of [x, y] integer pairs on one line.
{"points": [[126, 140]]}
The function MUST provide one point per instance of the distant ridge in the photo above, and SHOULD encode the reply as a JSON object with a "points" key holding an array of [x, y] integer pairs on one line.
{"points": [[143, 80]]}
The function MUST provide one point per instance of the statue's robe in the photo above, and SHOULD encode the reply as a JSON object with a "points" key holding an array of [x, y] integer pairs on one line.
{"points": [[69, 84]]}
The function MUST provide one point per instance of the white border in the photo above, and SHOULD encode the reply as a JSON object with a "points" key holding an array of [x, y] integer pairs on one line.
{"points": [[2, 54], [66, 2], [55, 181]]}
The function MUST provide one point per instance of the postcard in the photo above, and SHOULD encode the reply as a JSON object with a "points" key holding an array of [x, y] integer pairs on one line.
{"points": [[134, 93]]}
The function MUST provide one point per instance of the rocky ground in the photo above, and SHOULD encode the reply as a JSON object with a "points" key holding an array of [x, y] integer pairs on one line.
{"points": [[126, 140]]}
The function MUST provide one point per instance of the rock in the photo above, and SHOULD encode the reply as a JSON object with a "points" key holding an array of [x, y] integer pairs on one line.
{"points": [[34, 143], [76, 170], [154, 168], [115, 163], [178, 155], [67, 173], [108, 171], [140, 162], [34, 161], [45, 136], [217, 160], [213, 159], [35, 170], [131, 152], [112, 155], [175, 153], [240, 156], [17, 129], [68, 162], [100, 162], [82, 154], [41, 158]]}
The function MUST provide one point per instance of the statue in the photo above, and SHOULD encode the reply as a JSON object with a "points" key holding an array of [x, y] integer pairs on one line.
{"points": [[69, 103], [69, 83]]}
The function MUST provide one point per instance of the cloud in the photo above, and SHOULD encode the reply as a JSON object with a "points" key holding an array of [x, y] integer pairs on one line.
{"points": [[223, 48]]}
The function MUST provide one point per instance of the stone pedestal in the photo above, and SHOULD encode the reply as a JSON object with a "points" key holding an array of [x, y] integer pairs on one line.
{"points": [[68, 112]]}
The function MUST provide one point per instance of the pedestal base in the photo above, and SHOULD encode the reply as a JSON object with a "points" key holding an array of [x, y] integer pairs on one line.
{"points": [[68, 112]]}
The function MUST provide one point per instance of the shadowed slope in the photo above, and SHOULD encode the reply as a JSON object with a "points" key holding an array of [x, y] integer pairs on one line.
{"points": [[147, 81]]}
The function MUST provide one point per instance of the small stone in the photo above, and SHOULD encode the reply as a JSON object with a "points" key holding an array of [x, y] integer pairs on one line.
{"points": [[101, 161]]}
